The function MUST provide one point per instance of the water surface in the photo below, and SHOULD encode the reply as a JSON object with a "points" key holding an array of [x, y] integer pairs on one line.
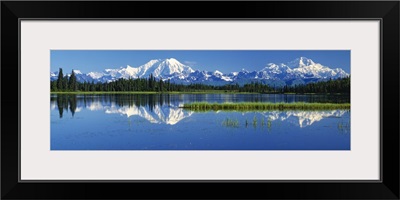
{"points": [[156, 122]]}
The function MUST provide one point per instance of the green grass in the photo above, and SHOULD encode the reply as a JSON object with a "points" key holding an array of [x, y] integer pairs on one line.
{"points": [[202, 106], [254, 121], [231, 123]]}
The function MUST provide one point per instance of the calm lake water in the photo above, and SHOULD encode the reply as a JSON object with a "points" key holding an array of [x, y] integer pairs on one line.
{"points": [[156, 122]]}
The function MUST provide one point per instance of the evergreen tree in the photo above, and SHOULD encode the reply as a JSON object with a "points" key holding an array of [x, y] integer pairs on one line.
{"points": [[60, 80], [72, 81], [53, 86], [161, 88], [65, 83]]}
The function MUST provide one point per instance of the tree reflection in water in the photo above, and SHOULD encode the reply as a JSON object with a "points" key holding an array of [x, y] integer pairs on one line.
{"points": [[164, 108], [70, 102]]}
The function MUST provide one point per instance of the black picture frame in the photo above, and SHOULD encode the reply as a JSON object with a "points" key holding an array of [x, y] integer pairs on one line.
{"points": [[386, 11]]}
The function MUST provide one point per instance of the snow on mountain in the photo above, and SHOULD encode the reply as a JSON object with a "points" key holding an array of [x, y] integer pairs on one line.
{"points": [[300, 70], [171, 66], [221, 76], [53, 76], [302, 118], [218, 73], [159, 68], [300, 62], [77, 72], [274, 71], [233, 74], [306, 68], [95, 75]]}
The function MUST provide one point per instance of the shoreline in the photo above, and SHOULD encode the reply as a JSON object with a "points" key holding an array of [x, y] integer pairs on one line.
{"points": [[204, 106]]}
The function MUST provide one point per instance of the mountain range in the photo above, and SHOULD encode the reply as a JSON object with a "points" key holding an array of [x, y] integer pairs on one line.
{"points": [[299, 71]]}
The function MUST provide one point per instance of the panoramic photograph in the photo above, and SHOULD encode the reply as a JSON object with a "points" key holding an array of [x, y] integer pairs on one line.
{"points": [[200, 100]]}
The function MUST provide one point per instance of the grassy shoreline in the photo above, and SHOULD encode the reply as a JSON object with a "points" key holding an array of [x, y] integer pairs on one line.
{"points": [[202, 106]]}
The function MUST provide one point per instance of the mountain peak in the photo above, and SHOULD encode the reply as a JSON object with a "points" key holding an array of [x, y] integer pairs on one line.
{"points": [[303, 58], [152, 62], [305, 61], [77, 71], [172, 61], [161, 68], [300, 62]]}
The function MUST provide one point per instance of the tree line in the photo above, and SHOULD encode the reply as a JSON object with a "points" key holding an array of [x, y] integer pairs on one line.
{"points": [[70, 84], [340, 85]]}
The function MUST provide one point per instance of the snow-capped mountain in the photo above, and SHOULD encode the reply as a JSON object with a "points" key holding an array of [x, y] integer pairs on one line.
{"points": [[167, 68], [299, 71]]}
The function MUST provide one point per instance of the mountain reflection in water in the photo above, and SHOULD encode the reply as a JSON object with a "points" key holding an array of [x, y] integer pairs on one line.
{"points": [[165, 109], [157, 122]]}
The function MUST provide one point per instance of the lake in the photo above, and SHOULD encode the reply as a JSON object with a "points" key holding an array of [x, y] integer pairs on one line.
{"points": [[157, 122]]}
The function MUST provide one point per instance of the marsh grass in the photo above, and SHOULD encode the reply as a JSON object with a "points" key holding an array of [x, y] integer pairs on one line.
{"points": [[269, 124], [231, 123], [255, 121], [245, 106]]}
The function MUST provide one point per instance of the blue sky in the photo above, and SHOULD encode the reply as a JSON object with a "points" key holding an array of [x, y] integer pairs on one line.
{"points": [[210, 60]]}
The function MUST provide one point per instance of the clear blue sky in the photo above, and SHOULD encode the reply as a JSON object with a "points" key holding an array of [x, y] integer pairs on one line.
{"points": [[210, 60]]}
